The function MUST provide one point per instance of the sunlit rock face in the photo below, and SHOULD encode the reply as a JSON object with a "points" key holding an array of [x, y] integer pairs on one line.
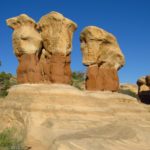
{"points": [[62, 117], [144, 89], [57, 32], [102, 55], [100, 47], [43, 50], [26, 39], [27, 44]]}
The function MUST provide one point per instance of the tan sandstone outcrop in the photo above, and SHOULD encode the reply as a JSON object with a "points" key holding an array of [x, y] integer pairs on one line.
{"points": [[51, 63], [61, 117], [144, 89], [57, 32], [27, 44], [102, 55], [26, 39]]}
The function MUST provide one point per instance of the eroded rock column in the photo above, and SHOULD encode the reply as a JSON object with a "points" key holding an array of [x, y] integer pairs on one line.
{"points": [[57, 32], [43, 50], [27, 44], [103, 57]]}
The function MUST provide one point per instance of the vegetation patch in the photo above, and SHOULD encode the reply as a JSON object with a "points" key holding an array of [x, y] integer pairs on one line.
{"points": [[78, 80], [8, 141], [128, 92], [6, 81]]}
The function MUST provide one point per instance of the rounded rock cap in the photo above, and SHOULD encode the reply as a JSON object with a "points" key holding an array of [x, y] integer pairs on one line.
{"points": [[20, 20], [100, 47]]}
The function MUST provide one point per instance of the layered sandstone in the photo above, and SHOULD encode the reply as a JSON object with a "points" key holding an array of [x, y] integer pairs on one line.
{"points": [[43, 49], [144, 89], [102, 55], [61, 117]]}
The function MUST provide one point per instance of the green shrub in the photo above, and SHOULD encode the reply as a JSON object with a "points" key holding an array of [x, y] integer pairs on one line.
{"points": [[4, 75], [6, 81], [78, 79], [128, 92], [78, 76], [3, 93], [9, 142]]}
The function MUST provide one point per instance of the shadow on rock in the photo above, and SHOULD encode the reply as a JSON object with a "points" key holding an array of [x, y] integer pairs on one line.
{"points": [[145, 97]]}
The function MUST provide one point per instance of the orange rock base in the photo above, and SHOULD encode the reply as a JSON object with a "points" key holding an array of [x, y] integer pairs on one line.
{"points": [[102, 79], [55, 69]]}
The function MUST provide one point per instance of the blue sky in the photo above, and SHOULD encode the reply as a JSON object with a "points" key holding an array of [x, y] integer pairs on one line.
{"points": [[128, 20]]}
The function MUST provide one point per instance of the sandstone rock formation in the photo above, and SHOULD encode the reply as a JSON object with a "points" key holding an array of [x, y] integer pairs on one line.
{"points": [[26, 39], [102, 55], [43, 49], [57, 32], [144, 89], [27, 44], [61, 117]]}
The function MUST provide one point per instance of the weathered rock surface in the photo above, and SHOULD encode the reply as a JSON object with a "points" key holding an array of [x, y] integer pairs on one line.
{"points": [[27, 44], [144, 89], [29, 69], [38, 64], [54, 117], [102, 78], [101, 49], [57, 32], [26, 39]]}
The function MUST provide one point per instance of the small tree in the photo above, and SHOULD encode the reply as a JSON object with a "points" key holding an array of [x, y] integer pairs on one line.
{"points": [[4, 83], [78, 80]]}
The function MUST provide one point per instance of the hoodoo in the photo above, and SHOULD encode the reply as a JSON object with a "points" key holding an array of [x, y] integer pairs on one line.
{"points": [[43, 50], [102, 55]]}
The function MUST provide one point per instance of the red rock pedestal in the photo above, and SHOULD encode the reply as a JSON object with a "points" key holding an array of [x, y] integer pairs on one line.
{"points": [[28, 70], [60, 69], [102, 79], [55, 69]]}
